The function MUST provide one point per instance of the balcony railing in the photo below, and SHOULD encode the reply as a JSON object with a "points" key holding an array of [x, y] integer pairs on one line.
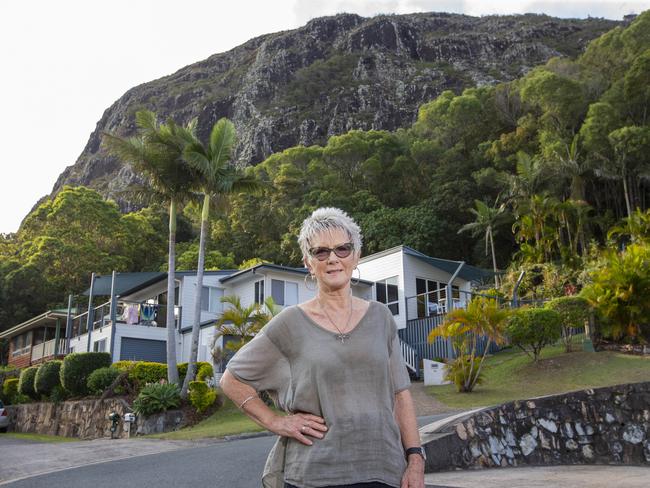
{"points": [[129, 313], [46, 349]]}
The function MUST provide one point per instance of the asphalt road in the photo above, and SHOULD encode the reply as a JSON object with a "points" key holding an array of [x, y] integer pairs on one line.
{"points": [[233, 464], [236, 464]]}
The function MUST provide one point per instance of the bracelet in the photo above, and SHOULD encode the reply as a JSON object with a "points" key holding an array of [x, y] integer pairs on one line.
{"points": [[241, 405]]}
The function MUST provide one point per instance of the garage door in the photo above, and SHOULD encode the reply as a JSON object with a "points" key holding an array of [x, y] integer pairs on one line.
{"points": [[143, 350]]}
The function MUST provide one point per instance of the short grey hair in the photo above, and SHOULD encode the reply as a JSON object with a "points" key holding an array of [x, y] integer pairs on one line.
{"points": [[327, 219]]}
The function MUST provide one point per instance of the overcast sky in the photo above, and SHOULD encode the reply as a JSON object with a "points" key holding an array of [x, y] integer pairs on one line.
{"points": [[64, 62]]}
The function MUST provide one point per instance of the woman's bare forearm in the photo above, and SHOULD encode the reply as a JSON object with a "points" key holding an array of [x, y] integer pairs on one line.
{"points": [[302, 426], [253, 406], [406, 419]]}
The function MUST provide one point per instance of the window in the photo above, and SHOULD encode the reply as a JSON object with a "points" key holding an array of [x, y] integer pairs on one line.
{"points": [[22, 344], [259, 291], [100, 345], [387, 293], [284, 292], [211, 299], [432, 296]]}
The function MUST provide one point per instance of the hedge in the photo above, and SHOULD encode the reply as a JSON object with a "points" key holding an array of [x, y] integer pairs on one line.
{"points": [[77, 368], [10, 389], [26, 383], [100, 379], [144, 372], [48, 377]]}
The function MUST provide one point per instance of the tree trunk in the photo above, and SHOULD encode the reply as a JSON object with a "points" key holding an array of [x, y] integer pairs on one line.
{"points": [[626, 192], [172, 369], [494, 260], [196, 326]]}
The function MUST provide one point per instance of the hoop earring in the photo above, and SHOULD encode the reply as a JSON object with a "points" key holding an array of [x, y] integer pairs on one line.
{"points": [[311, 278], [352, 282]]}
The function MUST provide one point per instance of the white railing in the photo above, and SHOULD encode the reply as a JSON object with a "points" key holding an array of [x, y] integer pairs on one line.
{"points": [[43, 350], [410, 357]]}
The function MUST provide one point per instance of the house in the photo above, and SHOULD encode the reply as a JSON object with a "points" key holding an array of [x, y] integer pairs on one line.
{"points": [[130, 323]]}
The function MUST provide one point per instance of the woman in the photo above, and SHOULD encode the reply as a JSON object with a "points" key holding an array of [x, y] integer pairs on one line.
{"points": [[333, 362]]}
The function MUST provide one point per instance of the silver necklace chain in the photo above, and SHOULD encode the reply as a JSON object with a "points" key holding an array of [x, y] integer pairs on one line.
{"points": [[341, 336]]}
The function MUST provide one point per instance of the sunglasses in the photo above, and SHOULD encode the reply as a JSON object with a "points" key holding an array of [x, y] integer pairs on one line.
{"points": [[322, 253]]}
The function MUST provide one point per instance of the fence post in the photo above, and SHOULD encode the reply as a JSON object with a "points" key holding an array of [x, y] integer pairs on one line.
{"points": [[515, 297]]}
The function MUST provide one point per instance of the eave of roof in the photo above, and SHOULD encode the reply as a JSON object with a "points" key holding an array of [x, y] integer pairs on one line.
{"points": [[34, 322], [278, 267]]}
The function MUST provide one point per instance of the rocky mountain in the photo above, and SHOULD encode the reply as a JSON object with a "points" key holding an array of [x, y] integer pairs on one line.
{"points": [[330, 76]]}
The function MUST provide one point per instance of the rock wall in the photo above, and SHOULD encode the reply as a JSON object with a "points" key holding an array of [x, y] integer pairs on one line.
{"points": [[83, 419], [602, 426], [88, 419]]}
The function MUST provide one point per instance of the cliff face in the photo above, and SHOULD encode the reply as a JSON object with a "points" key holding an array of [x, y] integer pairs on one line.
{"points": [[332, 75]]}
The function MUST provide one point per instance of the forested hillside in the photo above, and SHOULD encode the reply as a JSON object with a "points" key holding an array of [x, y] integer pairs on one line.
{"points": [[549, 164]]}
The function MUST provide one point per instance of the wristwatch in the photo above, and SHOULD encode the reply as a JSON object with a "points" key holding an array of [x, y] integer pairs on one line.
{"points": [[416, 450]]}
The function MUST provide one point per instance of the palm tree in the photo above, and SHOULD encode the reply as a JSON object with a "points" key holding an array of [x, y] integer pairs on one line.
{"points": [[157, 154], [244, 322], [218, 178], [482, 318], [487, 219]]}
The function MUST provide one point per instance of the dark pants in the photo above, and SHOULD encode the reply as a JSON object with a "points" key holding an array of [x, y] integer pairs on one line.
{"points": [[373, 484]]}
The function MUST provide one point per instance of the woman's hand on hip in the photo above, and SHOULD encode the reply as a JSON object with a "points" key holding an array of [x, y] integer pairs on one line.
{"points": [[300, 426], [414, 475]]}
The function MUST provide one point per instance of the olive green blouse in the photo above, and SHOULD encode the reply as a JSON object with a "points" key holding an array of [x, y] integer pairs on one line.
{"points": [[352, 385]]}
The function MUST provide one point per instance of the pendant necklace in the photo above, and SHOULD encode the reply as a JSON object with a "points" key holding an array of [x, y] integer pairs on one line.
{"points": [[341, 336]]}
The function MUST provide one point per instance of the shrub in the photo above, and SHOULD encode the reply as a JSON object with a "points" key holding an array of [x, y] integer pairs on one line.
{"points": [[7, 372], [100, 379], [10, 389], [461, 372], [574, 312], [620, 292], [201, 395], [48, 377], [58, 394], [203, 369], [157, 397], [26, 383], [144, 372], [204, 372], [78, 366], [531, 329], [123, 365]]}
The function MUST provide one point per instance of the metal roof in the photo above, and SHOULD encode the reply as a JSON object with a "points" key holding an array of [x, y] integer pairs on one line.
{"points": [[125, 283], [467, 272]]}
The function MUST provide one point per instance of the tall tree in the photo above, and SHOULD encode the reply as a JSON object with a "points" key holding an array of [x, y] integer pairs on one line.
{"points": [[218, 177], [487, 219], [157, 153]]}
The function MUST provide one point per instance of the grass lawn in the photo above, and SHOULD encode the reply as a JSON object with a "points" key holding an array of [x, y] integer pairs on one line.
{"points": [[512, 375], [39, 437], [227, 420]]}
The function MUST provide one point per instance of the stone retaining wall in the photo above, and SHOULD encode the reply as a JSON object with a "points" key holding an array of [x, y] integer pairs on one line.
{"points": [[602, 426], [87, 419], [83, 419]]}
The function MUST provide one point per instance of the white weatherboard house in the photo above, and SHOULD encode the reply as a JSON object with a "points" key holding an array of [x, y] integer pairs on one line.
{"points": [[131, 324]]}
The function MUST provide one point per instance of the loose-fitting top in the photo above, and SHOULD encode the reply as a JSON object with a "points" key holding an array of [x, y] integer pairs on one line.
{"points": [[352, 385]]}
